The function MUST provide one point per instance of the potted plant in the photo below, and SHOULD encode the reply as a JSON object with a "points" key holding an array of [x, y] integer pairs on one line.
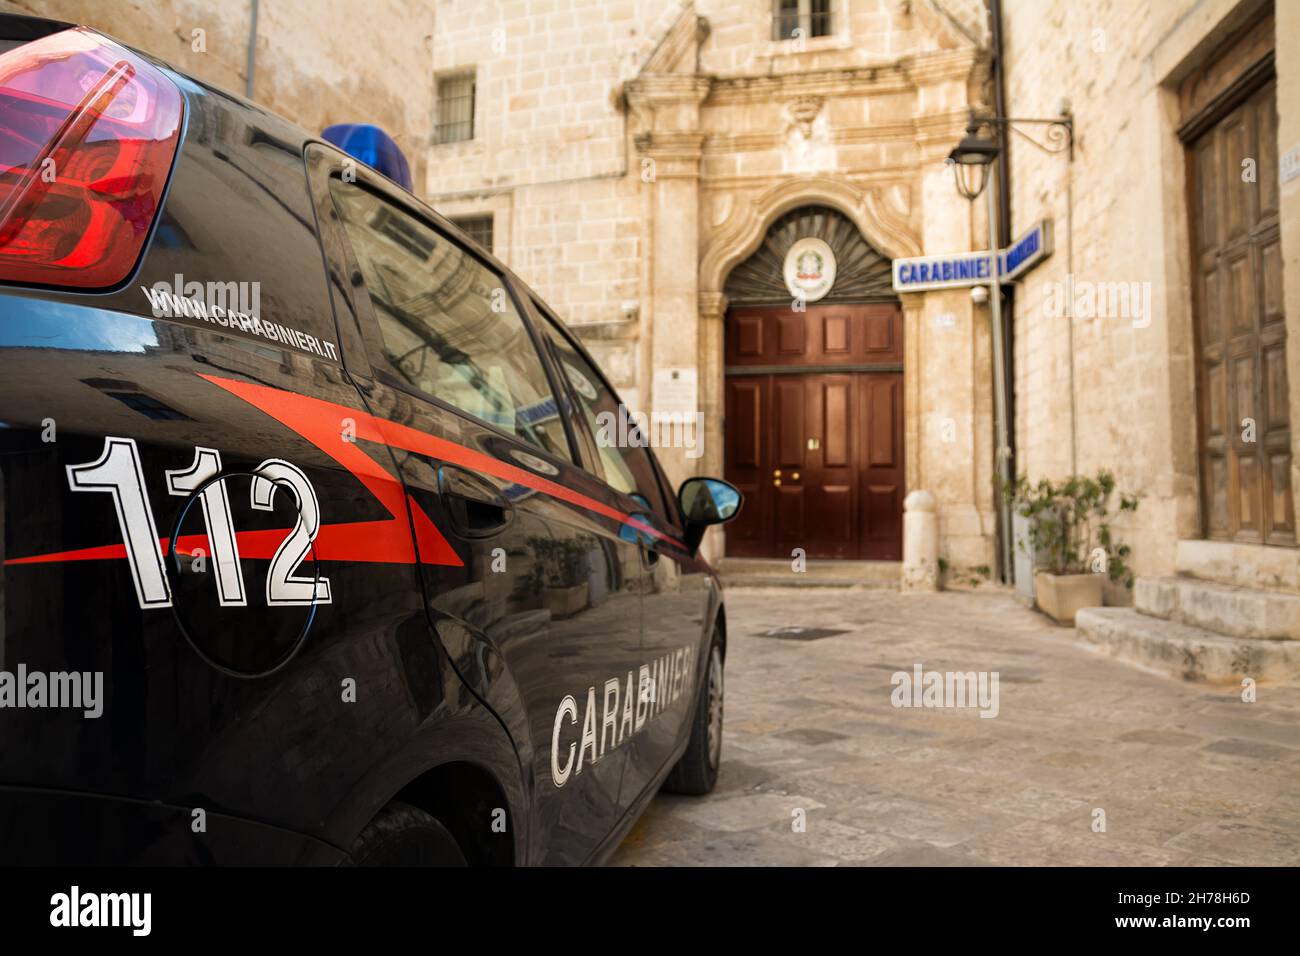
{"points": [[1071, 540]]}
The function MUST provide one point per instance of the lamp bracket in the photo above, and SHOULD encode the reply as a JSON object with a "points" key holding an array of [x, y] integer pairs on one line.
{"points": [[1057, 137]]}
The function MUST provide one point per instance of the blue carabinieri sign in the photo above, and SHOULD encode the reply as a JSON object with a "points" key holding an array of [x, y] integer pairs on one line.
{"points": [[921, 273], [1027, 251]]}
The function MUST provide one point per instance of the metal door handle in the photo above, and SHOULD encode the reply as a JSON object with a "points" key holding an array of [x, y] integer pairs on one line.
{"points": [[475, 507]]}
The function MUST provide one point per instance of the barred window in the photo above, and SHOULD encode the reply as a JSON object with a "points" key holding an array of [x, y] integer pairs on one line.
{"points": [[795, 19], [478, 228], [455, 108]]}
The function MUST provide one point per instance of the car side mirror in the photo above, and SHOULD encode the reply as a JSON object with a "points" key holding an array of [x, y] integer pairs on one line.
{"points": [[704, 502]]}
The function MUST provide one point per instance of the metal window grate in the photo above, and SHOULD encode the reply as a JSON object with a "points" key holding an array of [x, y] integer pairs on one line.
{"points": [[794, 19], [478, 228], [455, 108]]}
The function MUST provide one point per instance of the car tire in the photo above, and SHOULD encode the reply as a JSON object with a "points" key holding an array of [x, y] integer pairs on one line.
{"points": [[403, 835], [696, 772]]}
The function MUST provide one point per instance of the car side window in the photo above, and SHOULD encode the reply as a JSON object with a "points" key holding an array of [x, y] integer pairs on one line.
{"points": [[448, 324], [672, 512], [626, 465]]}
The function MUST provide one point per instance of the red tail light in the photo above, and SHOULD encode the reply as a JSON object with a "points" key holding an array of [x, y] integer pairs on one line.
{"points": [[88, 132]]}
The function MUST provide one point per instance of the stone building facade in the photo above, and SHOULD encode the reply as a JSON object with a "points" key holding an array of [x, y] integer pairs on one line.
{"points": [[633, 155]]}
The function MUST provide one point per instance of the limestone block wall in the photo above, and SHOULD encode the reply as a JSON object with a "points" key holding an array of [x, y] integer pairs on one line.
{"points": [[552, 155], [319, 62]]}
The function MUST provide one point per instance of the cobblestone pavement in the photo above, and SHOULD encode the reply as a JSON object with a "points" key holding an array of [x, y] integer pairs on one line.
{"points": [[1185, 773]]}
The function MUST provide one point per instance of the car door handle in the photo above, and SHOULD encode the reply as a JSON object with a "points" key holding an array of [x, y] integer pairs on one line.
{"points": [[474, 505]]}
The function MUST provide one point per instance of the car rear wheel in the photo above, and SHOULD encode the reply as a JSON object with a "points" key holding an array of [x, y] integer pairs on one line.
{"points": [[697, 772], [403, 835]]}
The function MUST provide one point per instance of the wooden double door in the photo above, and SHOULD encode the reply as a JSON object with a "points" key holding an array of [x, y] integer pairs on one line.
{"points": [[1244, 394], [814, 430]]}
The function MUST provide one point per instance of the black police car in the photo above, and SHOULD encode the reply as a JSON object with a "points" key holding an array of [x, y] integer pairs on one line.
{"points": [[314, 550]]}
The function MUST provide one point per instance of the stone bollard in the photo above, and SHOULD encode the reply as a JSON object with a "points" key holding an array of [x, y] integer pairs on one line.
{"points": [[920, 543]]}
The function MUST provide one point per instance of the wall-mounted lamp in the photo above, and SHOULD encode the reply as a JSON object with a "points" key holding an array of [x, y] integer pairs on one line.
{"points": [[971, 159]]}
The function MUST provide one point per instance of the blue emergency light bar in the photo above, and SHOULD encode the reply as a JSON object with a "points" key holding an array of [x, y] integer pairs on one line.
{"points": [[372, 146]]}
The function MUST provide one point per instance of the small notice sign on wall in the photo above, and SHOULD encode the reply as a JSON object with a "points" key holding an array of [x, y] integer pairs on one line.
{"points": [[676, 391]]}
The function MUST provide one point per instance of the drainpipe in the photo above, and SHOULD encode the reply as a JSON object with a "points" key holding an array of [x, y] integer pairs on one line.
{"points": [[1009, 298], [1001, 428], [251, 67]]}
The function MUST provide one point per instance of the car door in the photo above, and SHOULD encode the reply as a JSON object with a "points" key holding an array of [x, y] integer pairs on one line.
{"points": [[680, 600], [536, 589], [609, 429]]}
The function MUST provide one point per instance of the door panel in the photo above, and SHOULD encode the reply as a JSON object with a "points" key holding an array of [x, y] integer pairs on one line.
{"points": [[836, 402], [746, 457], [747, 336], [835, 333], [791, 334], [882, 470]]}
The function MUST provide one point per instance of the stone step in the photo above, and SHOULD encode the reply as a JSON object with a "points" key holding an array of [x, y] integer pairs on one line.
{"points": [[777, 572], [1239, 565], [1186, 651], [1222, 608]]}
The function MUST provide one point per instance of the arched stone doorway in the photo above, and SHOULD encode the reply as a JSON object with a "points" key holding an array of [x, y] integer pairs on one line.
{"points": [[813, 395]]}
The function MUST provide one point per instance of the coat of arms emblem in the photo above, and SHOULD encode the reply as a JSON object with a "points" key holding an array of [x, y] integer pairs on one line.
{"points": [[809, 269]]}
